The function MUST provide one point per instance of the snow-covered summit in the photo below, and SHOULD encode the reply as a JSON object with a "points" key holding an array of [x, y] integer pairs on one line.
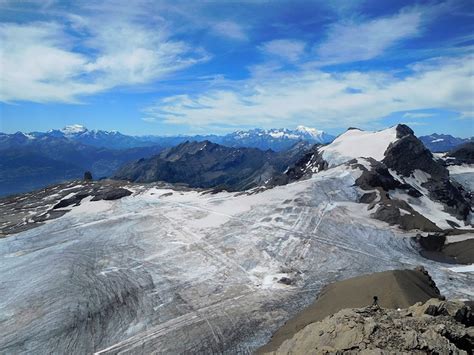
{"points": [[316, 133], [74, 129], [300, 133], [356, 143]]}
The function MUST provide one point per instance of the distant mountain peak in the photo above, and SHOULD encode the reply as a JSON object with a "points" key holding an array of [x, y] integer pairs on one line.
{"points": [[311, 131], [74, 129]]}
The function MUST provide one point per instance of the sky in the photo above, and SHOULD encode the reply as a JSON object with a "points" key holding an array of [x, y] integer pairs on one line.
{"points": [[197, 67]]}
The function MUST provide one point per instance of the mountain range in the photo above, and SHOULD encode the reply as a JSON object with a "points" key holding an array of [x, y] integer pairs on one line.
{"points": [[36, 159], [275, 139]]}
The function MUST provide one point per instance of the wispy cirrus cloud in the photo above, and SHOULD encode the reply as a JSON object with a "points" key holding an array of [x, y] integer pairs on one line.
{"points": [[416, 115], [229, 29], [286, 49], [350, 41], [53, 61], [278, 99]]}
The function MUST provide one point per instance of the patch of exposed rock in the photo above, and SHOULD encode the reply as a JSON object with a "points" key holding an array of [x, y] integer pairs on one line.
{"points": [[461, 155], [435, 246], [435, 326], [25, 211], [394, 289]]}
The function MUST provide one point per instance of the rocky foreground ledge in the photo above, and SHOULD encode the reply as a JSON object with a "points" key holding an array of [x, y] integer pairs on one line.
{"points": [[435, 327], [409, 316]]}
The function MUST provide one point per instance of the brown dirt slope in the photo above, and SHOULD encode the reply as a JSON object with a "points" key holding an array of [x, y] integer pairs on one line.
{"points": [[394, 289]]}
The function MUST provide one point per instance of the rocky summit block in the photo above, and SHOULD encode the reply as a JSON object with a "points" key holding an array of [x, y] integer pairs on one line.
{"points": [[435, 327]]}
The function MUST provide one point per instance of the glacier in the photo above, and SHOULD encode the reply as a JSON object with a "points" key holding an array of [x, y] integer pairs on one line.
{"points": [[175, 271]]}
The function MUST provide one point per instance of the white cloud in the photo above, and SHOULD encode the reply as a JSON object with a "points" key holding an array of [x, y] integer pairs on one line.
{"points": [[416, 115], [52, 62], [290, 50], [322, 99], [350, 41], [230, 29]]}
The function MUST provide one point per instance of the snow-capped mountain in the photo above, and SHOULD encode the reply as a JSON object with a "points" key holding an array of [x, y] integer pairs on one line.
{"points": [[74, 129], [275, 139], [398, 173], [355, 143], [97, 138]]}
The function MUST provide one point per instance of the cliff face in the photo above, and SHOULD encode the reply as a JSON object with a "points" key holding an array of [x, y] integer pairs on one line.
{"points": [[432, 327]]}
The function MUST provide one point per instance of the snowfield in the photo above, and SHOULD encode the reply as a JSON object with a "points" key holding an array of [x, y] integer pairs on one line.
{"points": [[463, 174], [355, 143], [185, 271]]}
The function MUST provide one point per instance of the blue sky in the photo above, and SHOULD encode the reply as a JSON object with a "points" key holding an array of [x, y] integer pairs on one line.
{"points": [[183, 67]]}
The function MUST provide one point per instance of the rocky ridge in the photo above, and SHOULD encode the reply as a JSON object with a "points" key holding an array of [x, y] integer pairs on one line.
{"points": [[441, 327]]}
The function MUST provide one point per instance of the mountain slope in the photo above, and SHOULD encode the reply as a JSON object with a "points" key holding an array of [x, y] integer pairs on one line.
{"points": [[206, 164], [30, 163], [440, 143]]}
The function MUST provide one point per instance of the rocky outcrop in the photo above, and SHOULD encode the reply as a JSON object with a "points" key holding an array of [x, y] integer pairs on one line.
{"points": [[435, 247], [408, 154], [394, 289], [111, 194], [87, 176], [461, 155], [432, 327], [32, 209]]}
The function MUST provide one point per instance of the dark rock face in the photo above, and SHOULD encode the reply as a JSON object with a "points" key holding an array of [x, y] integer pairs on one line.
{"points": [[408, 154], [434, 247], [87, 176], [450, 195], [379, 176], [309, 163], [389, 211], [113, 194], [404, 130], [461, 155], [206, 165], [74, 200]]}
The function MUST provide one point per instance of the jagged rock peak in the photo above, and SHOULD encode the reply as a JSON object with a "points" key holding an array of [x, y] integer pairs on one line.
{"points": [[403, 130]]}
